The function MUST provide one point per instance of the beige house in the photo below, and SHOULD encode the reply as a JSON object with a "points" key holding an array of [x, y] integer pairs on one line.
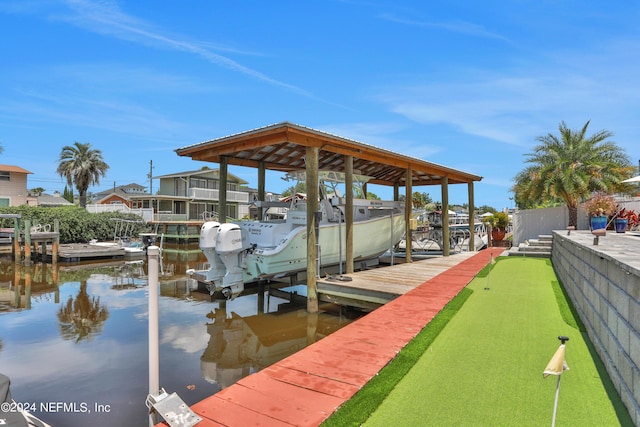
{"points": [[188, 195], [13, 187]]}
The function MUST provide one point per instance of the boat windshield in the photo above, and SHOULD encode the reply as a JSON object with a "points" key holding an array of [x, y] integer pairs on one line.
{"points": [[330, 182], [325, 176]]}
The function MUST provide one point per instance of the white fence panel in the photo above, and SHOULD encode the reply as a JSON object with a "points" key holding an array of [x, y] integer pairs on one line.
{"points": [[145, 213], [531, 223]]}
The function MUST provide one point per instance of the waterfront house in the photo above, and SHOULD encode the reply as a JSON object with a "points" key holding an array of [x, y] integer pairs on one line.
{"points": [[184, 196], [123, 195], [13, 186]]}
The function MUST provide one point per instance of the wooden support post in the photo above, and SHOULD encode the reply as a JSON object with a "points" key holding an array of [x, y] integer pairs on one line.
{"points": [[348, 215], [17, 249], [312, 328], [472, 218], [222, 191], [55, 246], [446, 246], [408, 205], [27, 242], [311, 161], [261, 187]]}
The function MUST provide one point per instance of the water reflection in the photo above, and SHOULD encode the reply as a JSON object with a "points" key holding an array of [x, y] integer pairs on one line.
{"points": [[83, 316], [91, 322]]}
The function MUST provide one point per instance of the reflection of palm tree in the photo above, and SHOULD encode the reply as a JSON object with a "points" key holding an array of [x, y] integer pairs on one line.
{"points": [[83, 317]]}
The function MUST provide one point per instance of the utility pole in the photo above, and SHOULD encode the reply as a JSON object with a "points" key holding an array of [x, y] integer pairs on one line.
{"points": [[150, 176]]}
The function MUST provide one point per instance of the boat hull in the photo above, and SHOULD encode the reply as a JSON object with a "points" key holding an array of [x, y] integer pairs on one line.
{"points": [[371, 239]]}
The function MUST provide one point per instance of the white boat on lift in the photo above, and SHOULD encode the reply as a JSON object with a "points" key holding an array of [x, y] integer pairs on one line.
{"points": [[249, 251]]}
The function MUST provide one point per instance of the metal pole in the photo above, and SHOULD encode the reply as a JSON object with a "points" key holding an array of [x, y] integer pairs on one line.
{"points": [[391, 237], [555, 403], [153, 253], [340, 241]]}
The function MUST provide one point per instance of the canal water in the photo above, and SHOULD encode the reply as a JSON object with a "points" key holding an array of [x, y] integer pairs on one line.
{"points": [[74, 340]]}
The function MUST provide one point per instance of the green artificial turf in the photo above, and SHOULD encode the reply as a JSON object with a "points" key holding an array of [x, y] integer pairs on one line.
{"points": [[485, 368]]}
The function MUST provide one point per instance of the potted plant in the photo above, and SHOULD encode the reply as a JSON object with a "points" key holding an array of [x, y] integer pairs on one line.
{"points": [[599, 206], [626, 219], [499, 222]]}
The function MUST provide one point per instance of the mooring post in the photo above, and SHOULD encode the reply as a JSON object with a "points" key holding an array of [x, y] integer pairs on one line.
{"points": [[17, 250], [27, 242], [56, 243]]}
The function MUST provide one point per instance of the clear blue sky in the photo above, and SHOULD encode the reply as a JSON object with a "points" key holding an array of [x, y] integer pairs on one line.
{"points": [[465, 84]]}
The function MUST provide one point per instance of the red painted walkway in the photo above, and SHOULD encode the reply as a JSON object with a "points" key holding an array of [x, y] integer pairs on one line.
{"points": [[308, 386]]}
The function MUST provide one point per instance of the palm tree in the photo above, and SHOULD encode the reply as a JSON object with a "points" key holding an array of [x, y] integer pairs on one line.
{"points": [[569, 168], [81, 166]]}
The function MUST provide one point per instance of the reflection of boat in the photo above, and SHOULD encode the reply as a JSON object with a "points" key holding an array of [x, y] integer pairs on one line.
{"points": [[428, 235], [248, 251], [16, 413], [239, 345]]}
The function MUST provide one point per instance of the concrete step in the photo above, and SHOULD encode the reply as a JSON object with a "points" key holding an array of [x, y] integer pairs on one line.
{"points": [[538, 242], [536, 248], [530, 248], [531, 254]]}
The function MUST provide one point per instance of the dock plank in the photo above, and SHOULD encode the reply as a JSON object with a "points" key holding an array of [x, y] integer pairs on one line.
{"points": [[389, 282]]}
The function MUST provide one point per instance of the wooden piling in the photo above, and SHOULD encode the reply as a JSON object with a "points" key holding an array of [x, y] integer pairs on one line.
{"points": [[27, 241]]}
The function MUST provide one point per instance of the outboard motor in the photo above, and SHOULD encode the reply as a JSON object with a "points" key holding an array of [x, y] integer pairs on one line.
{"points": [[217, 270], [232, 243]]}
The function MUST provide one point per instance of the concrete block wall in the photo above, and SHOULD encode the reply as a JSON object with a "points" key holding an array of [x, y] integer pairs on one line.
{"points": [[606, 294]]}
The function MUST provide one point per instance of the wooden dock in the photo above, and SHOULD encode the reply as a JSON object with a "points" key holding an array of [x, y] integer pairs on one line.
{"points": [[313, 382], [72, 252], [375, 287]]}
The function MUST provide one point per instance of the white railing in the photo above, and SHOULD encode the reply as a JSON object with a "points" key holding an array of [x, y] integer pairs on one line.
{"points": [[211, 194], [168, 216], [145, 213]]}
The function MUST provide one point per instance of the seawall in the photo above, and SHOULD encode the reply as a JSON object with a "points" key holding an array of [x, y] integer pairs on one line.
{"points": [[603, 282]]}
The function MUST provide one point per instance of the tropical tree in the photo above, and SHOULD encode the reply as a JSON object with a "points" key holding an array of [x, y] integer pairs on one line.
{"points": [[83, 166], [67, 194], [37, 191], [569, 168], [420, 200]]}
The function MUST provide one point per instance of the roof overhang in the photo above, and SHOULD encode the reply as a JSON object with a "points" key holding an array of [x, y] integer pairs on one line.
{"points": [[282, 147]]}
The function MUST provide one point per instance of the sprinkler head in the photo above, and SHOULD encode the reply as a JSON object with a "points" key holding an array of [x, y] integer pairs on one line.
{"points": [[563, 339]]}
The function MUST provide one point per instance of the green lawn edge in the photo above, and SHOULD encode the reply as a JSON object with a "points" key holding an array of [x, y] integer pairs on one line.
{"points": [[357, 409]]}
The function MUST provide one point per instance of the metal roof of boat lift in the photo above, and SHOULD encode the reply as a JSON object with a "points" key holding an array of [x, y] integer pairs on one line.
{"points": [[282, 147]]}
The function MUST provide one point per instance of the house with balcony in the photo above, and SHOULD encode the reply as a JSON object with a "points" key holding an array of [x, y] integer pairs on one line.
{"points": [[187, 196]]}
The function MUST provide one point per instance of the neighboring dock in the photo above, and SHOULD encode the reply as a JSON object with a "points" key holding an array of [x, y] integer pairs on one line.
{"points": [[312, 383]]}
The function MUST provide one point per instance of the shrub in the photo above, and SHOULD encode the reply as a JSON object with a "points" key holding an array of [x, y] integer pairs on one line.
{"points": [[601, 204], [76, 224], [498, 220]]}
